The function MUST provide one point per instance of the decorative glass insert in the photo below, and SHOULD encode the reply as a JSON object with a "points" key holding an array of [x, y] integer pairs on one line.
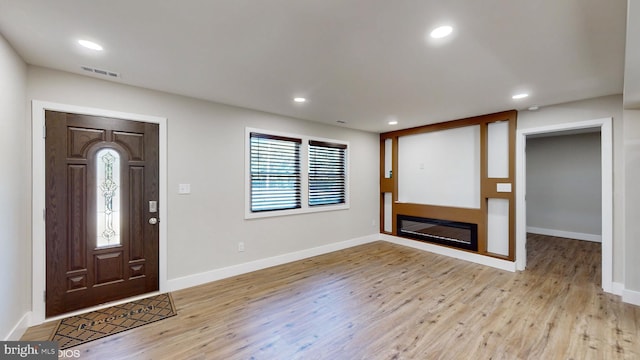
{"points": [[108, 197]]}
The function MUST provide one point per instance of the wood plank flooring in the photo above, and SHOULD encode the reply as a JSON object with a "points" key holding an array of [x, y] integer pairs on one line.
{"points": [[385, 301]]}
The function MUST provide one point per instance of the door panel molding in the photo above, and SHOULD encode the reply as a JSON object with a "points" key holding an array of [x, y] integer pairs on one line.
{"points": [[38, 197]]}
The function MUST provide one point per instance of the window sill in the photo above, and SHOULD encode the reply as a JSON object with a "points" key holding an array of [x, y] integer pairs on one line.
{"points": [[307, 210]]}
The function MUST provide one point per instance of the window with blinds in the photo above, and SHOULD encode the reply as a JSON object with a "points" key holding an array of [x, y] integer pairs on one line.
{"points": [[275, 172], [288, 174], [327, 173]]}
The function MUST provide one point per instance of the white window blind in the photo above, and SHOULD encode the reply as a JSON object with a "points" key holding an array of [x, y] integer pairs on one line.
{"points": [[327, 173], [275, 172]]}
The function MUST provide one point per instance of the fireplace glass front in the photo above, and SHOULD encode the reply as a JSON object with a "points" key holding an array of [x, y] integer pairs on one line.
{"points": [[453, 233]]}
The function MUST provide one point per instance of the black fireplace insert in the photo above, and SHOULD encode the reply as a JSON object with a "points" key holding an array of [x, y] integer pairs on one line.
{"points": [[453, 233]]}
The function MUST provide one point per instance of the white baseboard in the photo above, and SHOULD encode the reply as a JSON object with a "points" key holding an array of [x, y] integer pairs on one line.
{"points": [[222, 273], [458, 254], [617, 288], [565, 234], [631, 297], [20, 328]]}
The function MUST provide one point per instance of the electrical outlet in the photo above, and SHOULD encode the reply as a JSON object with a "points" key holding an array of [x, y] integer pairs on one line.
{"points": [[241, 246]]}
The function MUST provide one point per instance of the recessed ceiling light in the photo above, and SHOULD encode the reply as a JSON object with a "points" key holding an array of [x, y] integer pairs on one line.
{"points": [[393, 122], [534, 108], [90, 45], [299, 99], [519, 96], [441, 32]]}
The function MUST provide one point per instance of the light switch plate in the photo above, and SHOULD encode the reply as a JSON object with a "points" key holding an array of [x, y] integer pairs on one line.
{"points": [[184, 189], [503, 187]]}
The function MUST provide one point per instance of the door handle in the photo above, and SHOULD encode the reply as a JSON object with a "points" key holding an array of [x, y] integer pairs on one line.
{"points": [[153, 221]]}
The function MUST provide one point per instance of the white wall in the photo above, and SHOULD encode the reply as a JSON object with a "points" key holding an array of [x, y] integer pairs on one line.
{"points": [[603, 107], [440, 168], [564, 182], [632, 204], [15, 195], [206, 150]]}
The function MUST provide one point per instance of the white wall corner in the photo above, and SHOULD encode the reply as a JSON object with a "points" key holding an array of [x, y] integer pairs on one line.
{"points": [[631, 297], [457, 254], [20, 328], [226, 272]]}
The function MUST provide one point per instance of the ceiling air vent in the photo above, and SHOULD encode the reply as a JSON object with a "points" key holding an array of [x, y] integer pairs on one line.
{"points": [[101, 72]]}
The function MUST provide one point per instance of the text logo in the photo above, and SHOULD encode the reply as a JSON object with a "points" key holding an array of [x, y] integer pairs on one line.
{"points": [[32, 350]]}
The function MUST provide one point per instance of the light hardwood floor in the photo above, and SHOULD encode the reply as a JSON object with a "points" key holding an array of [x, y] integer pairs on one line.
{"points": [[384, 301]]}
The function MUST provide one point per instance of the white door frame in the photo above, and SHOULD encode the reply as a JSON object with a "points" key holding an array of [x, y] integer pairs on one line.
{"points": [[38, 223], [606, 136]]}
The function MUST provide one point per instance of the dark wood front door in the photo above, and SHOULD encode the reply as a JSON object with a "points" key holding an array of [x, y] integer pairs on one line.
{"points": [[101, 193]]}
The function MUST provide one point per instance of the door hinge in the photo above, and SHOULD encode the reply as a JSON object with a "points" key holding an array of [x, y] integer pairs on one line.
{"points": [[44, 296], [44, 214], [44, 131]]}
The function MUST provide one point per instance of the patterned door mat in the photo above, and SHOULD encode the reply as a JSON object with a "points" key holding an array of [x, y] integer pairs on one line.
{"points": [[76, 330]]}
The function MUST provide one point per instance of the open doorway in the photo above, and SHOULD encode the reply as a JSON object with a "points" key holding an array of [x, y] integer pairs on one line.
{"points": [[564, 184], [603, 128], [564, 204]]}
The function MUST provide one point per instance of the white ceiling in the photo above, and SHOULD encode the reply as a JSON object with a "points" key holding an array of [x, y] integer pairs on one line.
{"points": [[362, 62]]}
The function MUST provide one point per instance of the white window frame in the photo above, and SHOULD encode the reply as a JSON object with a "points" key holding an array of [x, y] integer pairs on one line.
{"points": [[304, 176]]}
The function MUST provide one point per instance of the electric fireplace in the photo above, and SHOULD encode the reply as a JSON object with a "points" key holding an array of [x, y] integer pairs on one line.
{"points": [[452, 233]]}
